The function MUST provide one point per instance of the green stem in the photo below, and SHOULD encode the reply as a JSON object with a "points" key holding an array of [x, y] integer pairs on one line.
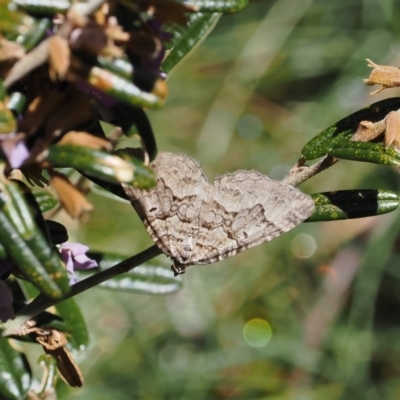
{"points": [[42, 302]]}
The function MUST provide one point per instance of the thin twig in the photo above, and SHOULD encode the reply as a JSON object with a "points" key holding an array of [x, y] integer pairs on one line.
{"points": [[28, 63], [41, 303], [299, 173]]}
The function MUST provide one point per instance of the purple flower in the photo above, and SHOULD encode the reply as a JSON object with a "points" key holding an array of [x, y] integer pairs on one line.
{"points": [[14, 149], [6, 300], [74, 257]]}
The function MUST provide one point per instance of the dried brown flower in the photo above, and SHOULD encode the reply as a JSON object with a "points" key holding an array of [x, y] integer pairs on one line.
{"points": [[388, 77]]}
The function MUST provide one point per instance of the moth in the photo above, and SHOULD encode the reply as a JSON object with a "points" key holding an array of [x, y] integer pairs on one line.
{"points": [[194, 222]]}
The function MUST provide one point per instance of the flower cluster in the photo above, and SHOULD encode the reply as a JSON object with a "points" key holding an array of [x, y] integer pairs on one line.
{"points": [[67, 70], [91, 62]]}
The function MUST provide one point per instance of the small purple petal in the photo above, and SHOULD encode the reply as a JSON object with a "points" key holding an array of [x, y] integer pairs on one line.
{"points": [[75, 248], [18, 155], [82, 261], [14, 149], [6, 299], [74, 257]]}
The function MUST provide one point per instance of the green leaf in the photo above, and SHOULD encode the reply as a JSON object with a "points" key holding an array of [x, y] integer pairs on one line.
{"points": [[42, 7], [338, 135], [154, 277], [122, 89], [99, 164], [144, 177], [15, 376], [224, 6], [366, 152], [50, 374], [186, 39], [146, 279], [3, 90], [121, 67], [11, 22], [48, 273], [349, 204], [75, 324], [7, 121], [26, 259], [34, 35], [45, 200], [3, 252], [146, 81]]}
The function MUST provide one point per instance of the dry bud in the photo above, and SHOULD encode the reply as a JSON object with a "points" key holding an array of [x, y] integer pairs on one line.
{"points": [[388, 77], [389, 127]]}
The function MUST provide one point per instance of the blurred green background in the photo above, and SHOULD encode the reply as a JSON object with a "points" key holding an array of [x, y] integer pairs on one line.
{"points": [[313, 314]]}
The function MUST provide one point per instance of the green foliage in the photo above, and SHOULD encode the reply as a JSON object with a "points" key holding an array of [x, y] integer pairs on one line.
{"points": [[154, 277], [186, 39], [36, 33], [30, 250], [96, 163], [75, 325], [45, 200], [122, 89], [368, 152], [42, 7], [15, 380], [52, 278], [348, 204], [225, 6], [337, 136]]}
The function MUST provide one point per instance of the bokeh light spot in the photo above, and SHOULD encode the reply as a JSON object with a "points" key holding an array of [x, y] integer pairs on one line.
{"points": [[250, 127], [257, 332], [303, 246]]}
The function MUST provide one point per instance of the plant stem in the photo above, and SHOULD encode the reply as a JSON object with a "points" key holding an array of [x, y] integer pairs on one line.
{"points": [[300, 173], [42, 302]]}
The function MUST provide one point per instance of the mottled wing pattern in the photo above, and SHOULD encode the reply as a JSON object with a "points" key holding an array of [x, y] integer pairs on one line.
{"points": [[196, 223], [246, 209], [149, 206], [170, 211], [186, 182]]}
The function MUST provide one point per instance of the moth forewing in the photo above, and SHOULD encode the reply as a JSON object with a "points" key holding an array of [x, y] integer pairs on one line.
{"points": [[195, 222]]}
